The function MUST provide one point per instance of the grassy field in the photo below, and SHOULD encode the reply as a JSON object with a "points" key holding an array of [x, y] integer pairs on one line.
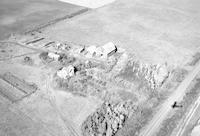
{"points": [[16, 16]]}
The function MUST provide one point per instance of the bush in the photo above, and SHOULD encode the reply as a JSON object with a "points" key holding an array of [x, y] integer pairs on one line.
{"points": [[65, 60], [134, 123], [28, 61], [61, 83], [179, 75], [107, 120], [43, 55]]}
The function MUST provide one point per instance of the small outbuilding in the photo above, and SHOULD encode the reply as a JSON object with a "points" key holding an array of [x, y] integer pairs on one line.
{"points": [[53, 56], [66, 72], [91, 51]]}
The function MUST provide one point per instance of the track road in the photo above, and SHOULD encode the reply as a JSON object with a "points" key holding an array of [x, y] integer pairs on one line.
{"points": [[66, 121], [178, 94]]}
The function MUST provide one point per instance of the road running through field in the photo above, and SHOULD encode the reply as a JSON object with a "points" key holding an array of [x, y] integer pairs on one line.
{"points": [[178, 94]]}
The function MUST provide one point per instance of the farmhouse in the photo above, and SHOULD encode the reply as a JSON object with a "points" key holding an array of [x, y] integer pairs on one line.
{"points": [[66, 72]]}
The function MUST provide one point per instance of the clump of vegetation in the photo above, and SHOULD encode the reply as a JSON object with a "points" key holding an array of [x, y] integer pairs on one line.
{"points": [[154, 74], [128, 73], [108, 119], [28, 60], [81, 66], [77, 85], [135, 122], [110, 63], [142, 114], [178, 75], [60, 83], [66, 60], [44, 57]]}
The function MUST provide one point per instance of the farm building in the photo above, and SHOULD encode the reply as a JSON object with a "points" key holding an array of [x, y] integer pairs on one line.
{"points": [[66, 72], [106, 50], [103, 51], [109, 49], [53, 56], [91, 51]]}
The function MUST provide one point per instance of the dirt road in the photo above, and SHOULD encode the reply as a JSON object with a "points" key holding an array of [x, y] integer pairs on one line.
{"points": [[178, 94]]}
